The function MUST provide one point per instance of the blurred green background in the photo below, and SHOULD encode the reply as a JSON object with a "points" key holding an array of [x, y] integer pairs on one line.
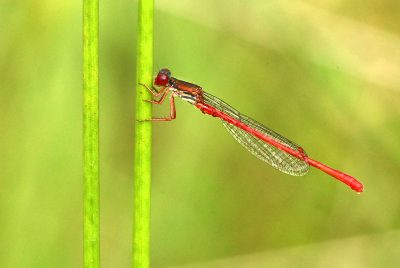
{"points": [[326, 74]]}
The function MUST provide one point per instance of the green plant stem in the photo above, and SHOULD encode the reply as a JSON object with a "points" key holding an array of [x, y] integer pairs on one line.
{"points": [[91, 229], [142, 173]]}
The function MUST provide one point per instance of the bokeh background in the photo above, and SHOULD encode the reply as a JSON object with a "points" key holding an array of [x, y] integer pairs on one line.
{"points": [[326, 74]]}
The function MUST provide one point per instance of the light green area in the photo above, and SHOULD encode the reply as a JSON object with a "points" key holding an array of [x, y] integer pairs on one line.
{"points": [[324, 76], [91, 192], [142, 168]]}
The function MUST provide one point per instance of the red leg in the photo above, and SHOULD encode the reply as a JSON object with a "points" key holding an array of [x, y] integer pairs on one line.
{"points": [[159, 101], [172, 112], [158, 93]]}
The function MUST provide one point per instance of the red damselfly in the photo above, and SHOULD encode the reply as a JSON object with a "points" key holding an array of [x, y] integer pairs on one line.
{"points": [[261, 141]]}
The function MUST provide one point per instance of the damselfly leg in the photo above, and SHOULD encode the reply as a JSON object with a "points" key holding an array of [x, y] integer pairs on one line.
{"points": [[172, 113]]}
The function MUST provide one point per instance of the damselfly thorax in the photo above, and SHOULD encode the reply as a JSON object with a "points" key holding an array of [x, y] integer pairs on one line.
{"points": [[189, 92]]}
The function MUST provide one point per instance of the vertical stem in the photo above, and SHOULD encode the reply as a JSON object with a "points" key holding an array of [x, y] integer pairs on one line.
{"points": [[91, 230], [142, 173]]}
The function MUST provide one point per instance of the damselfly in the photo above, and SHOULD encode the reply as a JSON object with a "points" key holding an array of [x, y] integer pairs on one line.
{"points": [[261, 141]]}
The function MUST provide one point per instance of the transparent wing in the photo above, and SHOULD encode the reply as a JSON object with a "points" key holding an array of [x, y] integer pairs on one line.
{"points": [[266, 152]]}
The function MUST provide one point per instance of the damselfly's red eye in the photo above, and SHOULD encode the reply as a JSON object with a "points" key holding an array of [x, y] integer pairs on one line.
{"points": [[161, 80]]}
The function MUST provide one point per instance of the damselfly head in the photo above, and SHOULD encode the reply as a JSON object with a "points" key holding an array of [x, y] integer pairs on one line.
{"points": [[163, 77]]}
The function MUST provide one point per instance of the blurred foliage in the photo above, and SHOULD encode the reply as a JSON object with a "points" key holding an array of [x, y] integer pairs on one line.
{"points": [[326, 74]]}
